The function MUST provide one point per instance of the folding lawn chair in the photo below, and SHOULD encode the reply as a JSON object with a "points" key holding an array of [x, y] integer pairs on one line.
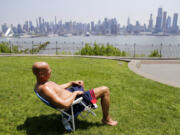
{"points": [[68, 117]]}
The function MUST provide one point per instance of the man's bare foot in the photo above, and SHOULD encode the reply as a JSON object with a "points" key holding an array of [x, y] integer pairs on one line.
{"points": [[110, 122]]}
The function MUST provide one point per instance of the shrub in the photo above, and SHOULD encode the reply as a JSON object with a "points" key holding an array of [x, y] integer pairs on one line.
{"points": [[154, 53], [108, 50], [39, 47], [6, 48]]}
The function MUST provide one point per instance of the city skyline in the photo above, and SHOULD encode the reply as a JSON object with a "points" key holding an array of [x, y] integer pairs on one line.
{"points": [[17, 12], [164, 24]]}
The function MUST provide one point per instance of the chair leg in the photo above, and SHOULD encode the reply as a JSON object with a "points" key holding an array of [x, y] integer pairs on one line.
{"points": [[72, 114]]}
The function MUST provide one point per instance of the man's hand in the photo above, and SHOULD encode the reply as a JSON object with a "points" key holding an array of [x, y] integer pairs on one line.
{"points": [[79, 82], [79, 92]]}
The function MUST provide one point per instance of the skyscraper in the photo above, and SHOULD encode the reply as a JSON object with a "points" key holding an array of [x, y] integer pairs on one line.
{"points": [[150, 26], [55, 22], [128, 22], [174, 25], [92, 26], [128, 28], [158, 27], [4, 28], [168, 24], [164, 22]]}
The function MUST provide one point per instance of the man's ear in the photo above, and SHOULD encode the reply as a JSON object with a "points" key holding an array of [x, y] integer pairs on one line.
{"points": [[41, 74]]}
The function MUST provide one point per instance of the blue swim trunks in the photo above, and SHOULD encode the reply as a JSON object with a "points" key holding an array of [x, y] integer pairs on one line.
{"points": [[88, 98]]}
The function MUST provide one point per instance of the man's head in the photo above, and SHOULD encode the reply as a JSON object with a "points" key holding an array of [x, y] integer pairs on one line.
{"points": [[41, 70]]}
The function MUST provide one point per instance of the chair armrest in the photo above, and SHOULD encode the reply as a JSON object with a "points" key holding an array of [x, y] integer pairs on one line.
{"points": [[77, 101]]}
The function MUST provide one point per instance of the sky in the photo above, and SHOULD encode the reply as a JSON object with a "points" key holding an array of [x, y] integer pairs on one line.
{"points": [[18, 11]]}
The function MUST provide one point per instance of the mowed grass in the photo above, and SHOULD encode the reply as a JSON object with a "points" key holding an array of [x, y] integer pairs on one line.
{"points": [[141, 106]]}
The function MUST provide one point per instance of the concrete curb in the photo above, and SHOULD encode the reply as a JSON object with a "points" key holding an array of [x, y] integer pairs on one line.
{"points": [[135, 65]]}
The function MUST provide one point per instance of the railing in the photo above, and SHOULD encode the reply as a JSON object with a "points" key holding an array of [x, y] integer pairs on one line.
{"points": [[132, 50]]}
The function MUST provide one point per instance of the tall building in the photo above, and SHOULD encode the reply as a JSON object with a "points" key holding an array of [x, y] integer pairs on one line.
{"points": [[158, 27], [4, 28], [19, 29], [92, 27], [26, 26], [168, 24], [164, 22], [128, 28], [37, 24], [40, 22], [55, 22], [150, 26], [128, 22], [31, 27], [174, 25]]}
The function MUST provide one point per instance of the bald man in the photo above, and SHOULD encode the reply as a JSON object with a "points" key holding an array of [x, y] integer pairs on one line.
{"points": [[62, 97]]}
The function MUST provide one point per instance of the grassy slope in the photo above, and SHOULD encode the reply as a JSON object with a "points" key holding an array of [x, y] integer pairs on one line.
{"points": [[141, 106]]}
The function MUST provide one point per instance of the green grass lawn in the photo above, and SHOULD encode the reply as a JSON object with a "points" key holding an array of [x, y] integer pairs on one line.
{"points": [[141, 106]]}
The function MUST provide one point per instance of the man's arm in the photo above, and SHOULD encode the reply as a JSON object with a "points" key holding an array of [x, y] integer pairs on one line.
{"points": [[69, 84], [56, 100], [66, 85]]}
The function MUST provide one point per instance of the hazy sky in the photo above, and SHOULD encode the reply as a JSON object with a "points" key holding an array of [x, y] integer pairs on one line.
{"points": [[17, 11]]}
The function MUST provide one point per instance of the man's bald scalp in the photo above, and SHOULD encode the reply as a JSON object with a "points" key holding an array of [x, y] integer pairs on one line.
{"points": [[39, 66]]}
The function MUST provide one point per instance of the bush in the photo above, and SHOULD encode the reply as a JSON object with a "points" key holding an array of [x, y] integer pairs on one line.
{"points": [[108, 50], [39, 47], [6, 48], [154, 53]]}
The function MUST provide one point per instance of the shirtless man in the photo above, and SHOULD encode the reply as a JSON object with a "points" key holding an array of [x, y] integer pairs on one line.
{"points": [[59, 96]]}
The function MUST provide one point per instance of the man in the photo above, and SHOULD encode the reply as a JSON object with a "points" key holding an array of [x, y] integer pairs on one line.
{"points": [[59, 96]]}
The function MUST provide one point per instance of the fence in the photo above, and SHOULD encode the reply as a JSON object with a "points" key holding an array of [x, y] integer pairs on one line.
{"points": [[132, 50]]}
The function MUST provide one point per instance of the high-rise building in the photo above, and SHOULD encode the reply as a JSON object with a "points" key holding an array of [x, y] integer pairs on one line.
{"points": [[164, 22], [92, 27], [128, 28], [31, 27], [158, 27], [55, 22], [174, 25], [128, 22], [150, 26], [19, 29], [168, 23], [4, 27], [26, 26], [37, 24], [40, 22]]}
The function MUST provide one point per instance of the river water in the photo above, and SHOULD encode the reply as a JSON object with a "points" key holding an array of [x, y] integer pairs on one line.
{"points": [[140, 45]]}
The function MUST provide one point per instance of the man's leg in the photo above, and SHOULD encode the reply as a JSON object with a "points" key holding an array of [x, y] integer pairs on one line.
{"points": [[104, 94]]}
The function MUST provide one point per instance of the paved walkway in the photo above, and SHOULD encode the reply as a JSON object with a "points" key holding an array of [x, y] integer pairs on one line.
{"points": [[163, 71]]}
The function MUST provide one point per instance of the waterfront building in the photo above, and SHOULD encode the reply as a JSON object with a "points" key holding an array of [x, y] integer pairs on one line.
{"points": [[92, 27], [164, 22], [168, 24], [129, 26], [37, 25], [19, 29], [31, 27], [26, 26], [55, 21], [113, 26], [174, 25], [158, 27], [4, 27], [150, 26]]}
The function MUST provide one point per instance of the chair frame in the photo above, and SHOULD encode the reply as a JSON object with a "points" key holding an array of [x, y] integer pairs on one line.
{"points": [[70, 117]]}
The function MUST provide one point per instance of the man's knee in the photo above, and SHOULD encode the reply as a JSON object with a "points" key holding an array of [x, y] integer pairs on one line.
{"points": [[105, 89]]}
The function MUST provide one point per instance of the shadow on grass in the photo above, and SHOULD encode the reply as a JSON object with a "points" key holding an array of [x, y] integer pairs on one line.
{"points": [[50, 125]]}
